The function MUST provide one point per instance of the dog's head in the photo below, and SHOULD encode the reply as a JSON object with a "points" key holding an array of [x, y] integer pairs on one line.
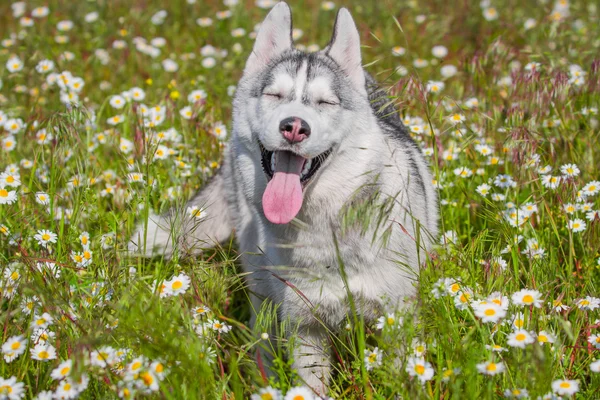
{"points": [[299, 105]]}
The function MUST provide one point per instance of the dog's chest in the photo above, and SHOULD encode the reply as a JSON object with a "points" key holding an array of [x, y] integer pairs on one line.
{"points": [[321, 248], [317, 263]]}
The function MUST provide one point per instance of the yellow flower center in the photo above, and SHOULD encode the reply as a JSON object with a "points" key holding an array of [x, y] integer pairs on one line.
{"points": [[266, 396], [419, 369], [565, 385], [10, 179], [15, 345], [491, 367], [136, 365], [3, 193], [14, 276], [45, 236], [6, 389], [159, 368], [67, 386], [520, 337], [542, 339], [489, 312], [177, 285], [147, 378], [528, 299], [65, 370], [43, 354]]}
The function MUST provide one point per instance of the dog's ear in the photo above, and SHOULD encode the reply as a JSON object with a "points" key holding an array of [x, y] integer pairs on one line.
{"points": [[274, 37], [344, 48]]}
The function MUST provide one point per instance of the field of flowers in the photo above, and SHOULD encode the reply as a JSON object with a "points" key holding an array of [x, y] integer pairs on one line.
{"points": [[110, 110]]}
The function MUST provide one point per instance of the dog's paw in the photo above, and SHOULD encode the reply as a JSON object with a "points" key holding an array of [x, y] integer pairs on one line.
{"points": [[151, 240]]}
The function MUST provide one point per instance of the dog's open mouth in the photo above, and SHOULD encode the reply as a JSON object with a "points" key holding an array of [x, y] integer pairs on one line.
{"points": [[309, 169], [288, 174]]}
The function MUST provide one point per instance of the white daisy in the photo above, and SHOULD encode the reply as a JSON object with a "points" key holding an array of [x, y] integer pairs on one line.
{"points": [[491, 368], [7, 196], [565, 387], [43, 352], [299, 393], [267, 393], [177, 285], [520, 338], [11, 389], [577, 225], [45, 236], [62, 370], [545, 337], [489, 312], [527, 297], [418, 367]]}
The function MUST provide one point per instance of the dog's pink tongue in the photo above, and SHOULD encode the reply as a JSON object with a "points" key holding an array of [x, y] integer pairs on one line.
{"points": [[282, 198]]}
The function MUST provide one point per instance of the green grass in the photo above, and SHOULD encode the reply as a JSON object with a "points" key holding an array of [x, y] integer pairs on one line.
{"points": [[113, 301]]}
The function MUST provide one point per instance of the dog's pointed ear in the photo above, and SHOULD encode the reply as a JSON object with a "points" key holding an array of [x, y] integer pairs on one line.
{"points": [[274, 37], [344, 48]]}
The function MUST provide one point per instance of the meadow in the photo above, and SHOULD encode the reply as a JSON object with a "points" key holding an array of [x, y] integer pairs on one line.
{"points": [[110, 110]]}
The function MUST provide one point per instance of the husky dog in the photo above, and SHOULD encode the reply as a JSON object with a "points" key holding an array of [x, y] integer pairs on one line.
{"points": [[316, 153]]}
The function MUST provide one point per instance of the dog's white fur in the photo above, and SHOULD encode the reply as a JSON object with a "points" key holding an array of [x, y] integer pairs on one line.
{"points": [[296, 266]]}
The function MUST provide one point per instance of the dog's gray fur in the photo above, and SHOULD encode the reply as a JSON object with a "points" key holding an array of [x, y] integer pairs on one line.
{"points": [[373, 159]]}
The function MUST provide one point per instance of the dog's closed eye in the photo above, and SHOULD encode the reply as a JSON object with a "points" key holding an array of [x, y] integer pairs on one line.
{"points": [[328, 102], [273, 95]]}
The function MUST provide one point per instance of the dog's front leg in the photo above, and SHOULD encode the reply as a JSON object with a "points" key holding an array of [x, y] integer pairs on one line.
{"points": [[312, 358]]}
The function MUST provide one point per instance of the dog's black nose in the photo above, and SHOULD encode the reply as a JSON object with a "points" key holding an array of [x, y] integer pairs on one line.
{"points": [[294, 129]]}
